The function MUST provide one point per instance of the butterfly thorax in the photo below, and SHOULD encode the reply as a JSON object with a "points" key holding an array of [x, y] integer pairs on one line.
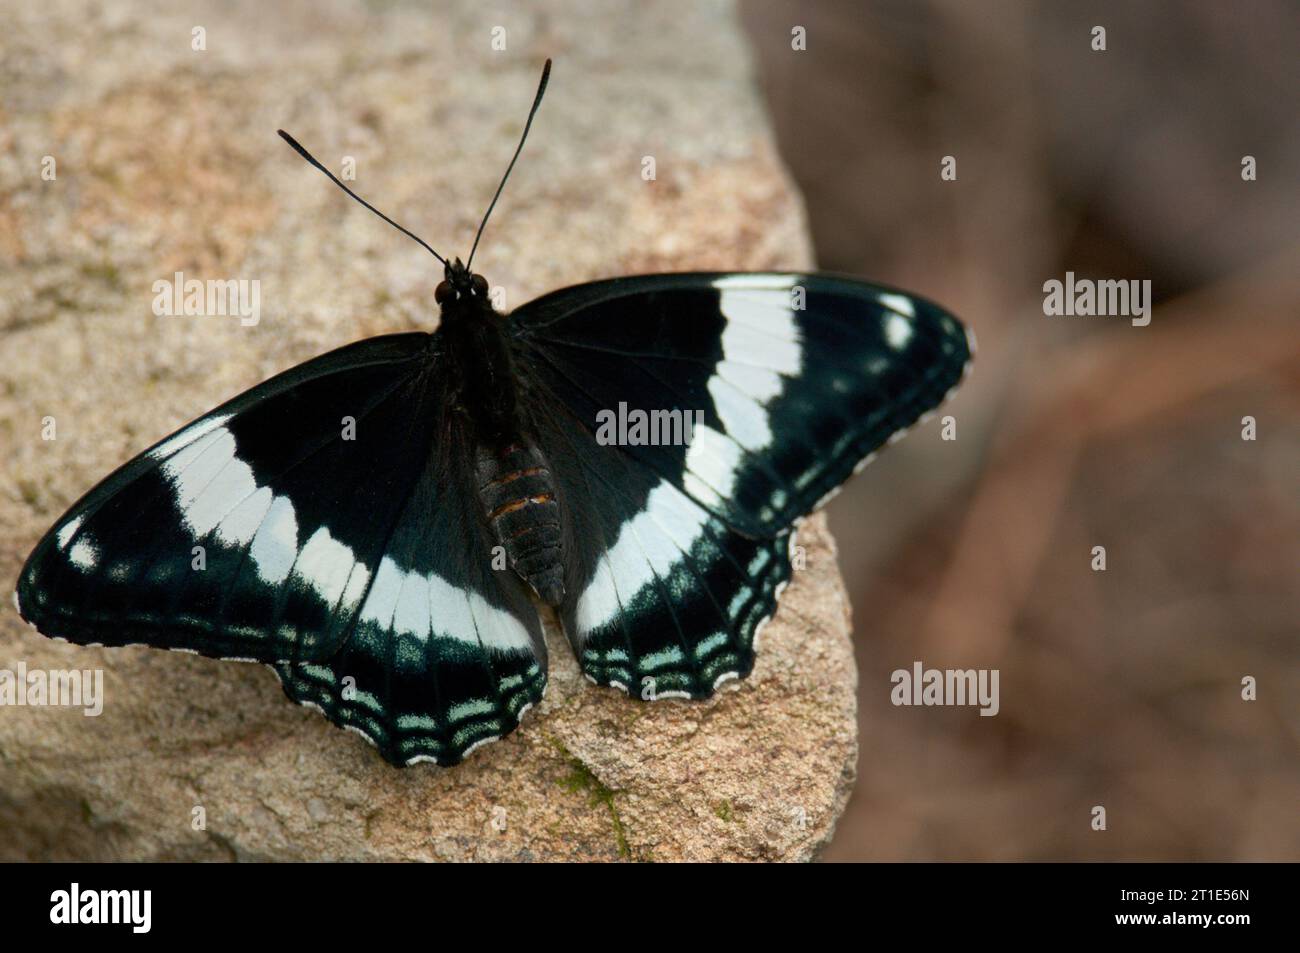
{"points": [[516, 491], [481, 367]]}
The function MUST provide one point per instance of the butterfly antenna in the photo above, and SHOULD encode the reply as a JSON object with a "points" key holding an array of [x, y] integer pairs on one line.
{"points": [[312, 159], [537, 101]]}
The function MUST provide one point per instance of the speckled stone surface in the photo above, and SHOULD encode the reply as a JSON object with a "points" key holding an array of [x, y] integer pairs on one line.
{"points": [[166, 160]]}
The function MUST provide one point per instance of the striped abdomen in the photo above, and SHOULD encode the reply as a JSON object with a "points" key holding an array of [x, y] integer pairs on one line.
{"points": [[518, 497]]}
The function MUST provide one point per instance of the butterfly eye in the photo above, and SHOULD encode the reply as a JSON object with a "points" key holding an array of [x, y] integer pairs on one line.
{"points": [[443, 292], [480, 285]]}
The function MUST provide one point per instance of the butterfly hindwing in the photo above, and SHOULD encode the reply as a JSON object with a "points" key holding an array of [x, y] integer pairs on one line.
{"points": [[447, 653], [295, 525], [796, 379], [663, 598], [681, 546]]}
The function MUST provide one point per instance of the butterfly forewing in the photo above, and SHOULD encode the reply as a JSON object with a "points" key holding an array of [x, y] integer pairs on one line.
{"points": [[196, 542], [794, 379], [319, 522]]}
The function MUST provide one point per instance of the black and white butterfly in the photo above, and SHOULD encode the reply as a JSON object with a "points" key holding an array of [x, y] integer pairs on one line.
{"points": [[389, 569]]}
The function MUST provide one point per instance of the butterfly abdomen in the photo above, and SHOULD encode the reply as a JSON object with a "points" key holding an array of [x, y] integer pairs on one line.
{"points": [[517, 493]]}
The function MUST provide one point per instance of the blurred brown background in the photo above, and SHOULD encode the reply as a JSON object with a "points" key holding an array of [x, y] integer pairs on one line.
{"points": [[1119, 688]]}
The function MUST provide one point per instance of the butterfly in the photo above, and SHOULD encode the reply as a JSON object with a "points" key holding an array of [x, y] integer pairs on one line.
{"points": [[380, 523]]}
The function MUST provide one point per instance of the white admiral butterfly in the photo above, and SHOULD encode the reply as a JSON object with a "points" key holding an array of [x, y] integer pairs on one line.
{"points": [[388, 574]]}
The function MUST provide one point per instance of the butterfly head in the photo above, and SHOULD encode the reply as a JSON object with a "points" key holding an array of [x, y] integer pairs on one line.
{"points": [[459, 283]]}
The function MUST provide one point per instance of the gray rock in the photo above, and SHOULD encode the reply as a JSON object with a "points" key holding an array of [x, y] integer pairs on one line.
{"points": [[166, 161]]}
